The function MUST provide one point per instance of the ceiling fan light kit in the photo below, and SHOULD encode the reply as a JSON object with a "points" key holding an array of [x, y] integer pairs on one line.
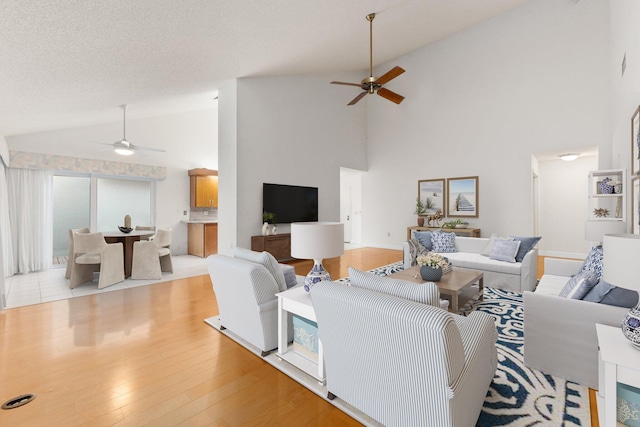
{"points": [[371, 84]]}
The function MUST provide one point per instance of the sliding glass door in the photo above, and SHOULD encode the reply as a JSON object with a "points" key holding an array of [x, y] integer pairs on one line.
{"points": [[71, 209], [100, 204]]}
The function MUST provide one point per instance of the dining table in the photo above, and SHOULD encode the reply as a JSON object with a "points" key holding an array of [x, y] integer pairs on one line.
{"points": [[127, 240]]}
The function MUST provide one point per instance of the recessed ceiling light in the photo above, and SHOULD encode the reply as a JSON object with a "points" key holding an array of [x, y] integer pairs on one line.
{"points": [[569, 156]]}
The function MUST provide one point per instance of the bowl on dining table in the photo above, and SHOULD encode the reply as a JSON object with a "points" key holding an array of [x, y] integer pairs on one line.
{"points": [[125, 229]]}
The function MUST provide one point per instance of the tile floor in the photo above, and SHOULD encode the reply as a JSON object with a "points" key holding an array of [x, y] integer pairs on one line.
{"points": [[50, 285]]}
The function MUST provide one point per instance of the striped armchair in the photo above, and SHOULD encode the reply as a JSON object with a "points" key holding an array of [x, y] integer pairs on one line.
{"points": [[401, 362], [245, 292]]}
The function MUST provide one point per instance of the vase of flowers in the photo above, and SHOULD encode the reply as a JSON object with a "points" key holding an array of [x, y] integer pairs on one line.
{"points": [[431, 265]]}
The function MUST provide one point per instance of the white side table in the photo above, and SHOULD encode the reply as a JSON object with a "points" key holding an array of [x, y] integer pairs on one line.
{"points": [[618, 361], [297, 301]]}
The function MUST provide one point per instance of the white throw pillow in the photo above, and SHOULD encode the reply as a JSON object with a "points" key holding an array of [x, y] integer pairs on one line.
{"points": [[492, 239], [505, 250], [266, 259]]}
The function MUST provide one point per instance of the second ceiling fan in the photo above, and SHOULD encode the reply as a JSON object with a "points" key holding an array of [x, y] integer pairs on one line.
{"points": [[373, 84]]}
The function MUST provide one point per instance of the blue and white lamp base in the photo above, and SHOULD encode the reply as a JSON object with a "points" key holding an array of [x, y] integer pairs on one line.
{"points": [[317, 274], [631, 326]]}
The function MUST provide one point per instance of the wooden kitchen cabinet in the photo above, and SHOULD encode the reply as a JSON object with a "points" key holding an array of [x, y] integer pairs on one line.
{"points": [[203, 239], [204, 188]]}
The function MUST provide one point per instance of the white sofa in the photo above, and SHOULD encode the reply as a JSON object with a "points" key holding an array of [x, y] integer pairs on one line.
{"points": [[402, 362], [560, 333], [517, 277]]}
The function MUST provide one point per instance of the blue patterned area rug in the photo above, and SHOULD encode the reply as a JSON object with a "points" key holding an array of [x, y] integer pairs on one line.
{"points": [[519, 396]]}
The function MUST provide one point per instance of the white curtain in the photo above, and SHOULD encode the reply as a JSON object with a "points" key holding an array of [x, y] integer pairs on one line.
{"points": [[6, 254], [30, 213]]}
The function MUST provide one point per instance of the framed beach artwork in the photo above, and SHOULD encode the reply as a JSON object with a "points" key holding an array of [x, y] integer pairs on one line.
{"points": [[463, 197], [635, 143], [432, 194], [635, 205]]}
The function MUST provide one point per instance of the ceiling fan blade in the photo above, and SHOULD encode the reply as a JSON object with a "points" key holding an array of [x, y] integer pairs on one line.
{"points": [[391, 96], [358, 98], [140, 148], [347, 84], [389, 75]]}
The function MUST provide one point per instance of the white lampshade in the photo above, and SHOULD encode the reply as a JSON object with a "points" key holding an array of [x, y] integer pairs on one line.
{"points": [[594, 230], [317, 240], [621, 260]]}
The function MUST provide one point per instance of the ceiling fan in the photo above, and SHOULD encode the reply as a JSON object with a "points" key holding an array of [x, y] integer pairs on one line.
{"points": [[124, 147], [373, 84]]}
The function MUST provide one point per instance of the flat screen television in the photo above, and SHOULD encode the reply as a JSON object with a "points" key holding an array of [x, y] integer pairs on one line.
{"points": [[290, 203]]}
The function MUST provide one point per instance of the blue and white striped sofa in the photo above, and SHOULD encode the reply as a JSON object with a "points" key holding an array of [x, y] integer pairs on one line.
{"points": [[402, 362]]}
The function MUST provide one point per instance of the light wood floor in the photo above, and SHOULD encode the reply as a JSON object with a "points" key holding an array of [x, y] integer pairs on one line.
{"points": [[144, 356]]}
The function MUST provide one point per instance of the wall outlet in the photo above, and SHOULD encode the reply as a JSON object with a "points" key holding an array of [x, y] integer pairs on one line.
{"points": [[388, 234], [184, 213]]}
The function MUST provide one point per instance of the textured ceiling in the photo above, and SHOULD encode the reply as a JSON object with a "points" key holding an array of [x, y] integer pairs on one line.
{"points": [[66, 63]]}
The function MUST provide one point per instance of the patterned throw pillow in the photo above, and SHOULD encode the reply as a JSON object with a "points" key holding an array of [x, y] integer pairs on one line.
{"points": [[443, 242], [593, 262], [579, 285], [415, 249], [504, 250]]}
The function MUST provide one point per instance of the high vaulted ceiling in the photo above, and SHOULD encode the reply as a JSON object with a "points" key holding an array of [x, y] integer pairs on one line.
{"points": [[66, 63]]}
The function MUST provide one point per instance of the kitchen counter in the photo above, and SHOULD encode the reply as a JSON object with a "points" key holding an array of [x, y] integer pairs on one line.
{"points": [[211, 221]]}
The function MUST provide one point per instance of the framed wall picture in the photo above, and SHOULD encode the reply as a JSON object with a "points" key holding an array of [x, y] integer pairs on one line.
{"points": [[635, 205], [432, 193], [635, 143], [462, 197]]}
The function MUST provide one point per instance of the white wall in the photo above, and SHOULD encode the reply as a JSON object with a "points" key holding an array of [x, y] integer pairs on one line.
{"points": [[625, 38], [479, 103], [190, 140], [290, 130]]}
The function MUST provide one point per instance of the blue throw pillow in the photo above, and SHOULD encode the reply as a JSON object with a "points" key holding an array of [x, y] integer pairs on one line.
{"points": [[579, 285], [593, 262], [424, 237], [504, 250], [443, 242], [606, 293], [526, 244]]}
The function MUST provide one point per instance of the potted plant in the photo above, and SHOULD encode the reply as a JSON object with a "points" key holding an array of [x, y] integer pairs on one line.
{"points": [[431, 265], [268, 218], [420, 210]]}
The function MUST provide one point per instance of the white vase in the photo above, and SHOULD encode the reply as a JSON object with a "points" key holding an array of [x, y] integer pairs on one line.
{"points": [[274, 231], [265, 229]]}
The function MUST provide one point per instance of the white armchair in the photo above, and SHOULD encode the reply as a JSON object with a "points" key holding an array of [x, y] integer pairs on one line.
{"points": [[401, 362], [151, 258], [93, 254], [70, 258], [245, 292]]}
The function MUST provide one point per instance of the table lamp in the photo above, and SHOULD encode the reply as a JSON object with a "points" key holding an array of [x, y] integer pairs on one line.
{"points": [[594, 229], [621, 267], [316, 240]]}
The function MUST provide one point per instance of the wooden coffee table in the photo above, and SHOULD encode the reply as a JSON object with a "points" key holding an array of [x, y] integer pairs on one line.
{"points": [[452, 284]]}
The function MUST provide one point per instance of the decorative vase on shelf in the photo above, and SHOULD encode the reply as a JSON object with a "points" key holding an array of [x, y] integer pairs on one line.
{"points": [[265, 229], [430, 274], [631, 326], [420, 221], [274, 230]]}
